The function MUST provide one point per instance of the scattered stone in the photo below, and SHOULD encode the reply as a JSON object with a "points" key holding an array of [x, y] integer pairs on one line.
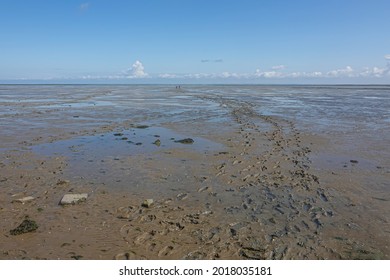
{"points": [[147, 203], [73, 198], [125, 212], [185, 141], [203, 189], [246, 177], [62, 182], [138, 144], [118, 134], [354, 161], [272, 220], [252, 253], [26, 226], [233, 232], [182, 196], [157, 142], [142, 126], [24, 199], [323, 196]]}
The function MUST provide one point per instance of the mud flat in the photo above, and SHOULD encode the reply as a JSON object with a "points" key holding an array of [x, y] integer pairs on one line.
{"points": [[225, 180]]}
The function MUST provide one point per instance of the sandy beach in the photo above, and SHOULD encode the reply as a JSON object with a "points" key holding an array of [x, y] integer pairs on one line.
{"points": [[265, 172]]}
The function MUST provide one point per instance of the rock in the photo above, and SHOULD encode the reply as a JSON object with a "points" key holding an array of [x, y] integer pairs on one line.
{"points": [[62, 182], [142, 126], [182, 196], [157, 142], [73, 198], [354, 161], [203, 189], [185, 141], [125, 212], [147, 203], [26, 226], [24, 199]]}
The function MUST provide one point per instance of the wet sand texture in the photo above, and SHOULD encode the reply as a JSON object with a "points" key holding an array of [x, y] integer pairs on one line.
{"points": [[192, 173]]}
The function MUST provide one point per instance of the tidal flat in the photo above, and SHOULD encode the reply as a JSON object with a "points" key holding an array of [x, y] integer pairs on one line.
{"points": [[196, 172]]}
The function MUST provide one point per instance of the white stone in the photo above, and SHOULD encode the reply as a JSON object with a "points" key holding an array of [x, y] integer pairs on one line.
{"points": [[147, 203], [24, 199], [73, 198]]}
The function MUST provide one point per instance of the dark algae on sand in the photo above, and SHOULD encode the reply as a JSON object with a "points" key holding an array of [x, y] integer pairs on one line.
{"points": [[26, 226]]}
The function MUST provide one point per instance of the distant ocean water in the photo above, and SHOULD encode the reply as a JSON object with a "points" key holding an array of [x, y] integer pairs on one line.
{"points": [[331, 109]]}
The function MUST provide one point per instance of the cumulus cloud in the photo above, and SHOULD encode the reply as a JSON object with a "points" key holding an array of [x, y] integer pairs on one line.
{"points": [[168, 76], [268, 74], [137, 70], [344, 72], [373, 72], [378, 72], [315, 74]]}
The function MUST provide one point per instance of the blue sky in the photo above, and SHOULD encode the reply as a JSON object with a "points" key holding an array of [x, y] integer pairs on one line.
{"points": [[195, 41]]}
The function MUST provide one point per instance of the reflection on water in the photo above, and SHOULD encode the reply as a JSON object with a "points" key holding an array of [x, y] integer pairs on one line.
{"points": [[124, 143], [323, 109], [90, 156]]}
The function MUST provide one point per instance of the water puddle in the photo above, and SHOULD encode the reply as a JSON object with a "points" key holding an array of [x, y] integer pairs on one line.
{"points": [[114, 157], [138, 140]]}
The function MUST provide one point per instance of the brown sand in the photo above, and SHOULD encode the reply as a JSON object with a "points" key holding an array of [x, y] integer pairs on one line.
{"points": [[262, 195]]}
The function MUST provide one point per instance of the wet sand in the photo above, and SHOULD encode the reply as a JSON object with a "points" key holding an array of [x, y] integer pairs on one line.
{"points": [[252, 185]]}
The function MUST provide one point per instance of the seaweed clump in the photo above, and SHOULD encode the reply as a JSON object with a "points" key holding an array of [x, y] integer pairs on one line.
{"points": [[26, 226]]}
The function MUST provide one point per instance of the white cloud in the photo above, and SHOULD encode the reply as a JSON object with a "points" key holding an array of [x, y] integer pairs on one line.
{"points": [[168, 76], [137, 70], [230, 75], [376, 72], [345, 72], [268, 74], [315, 74]]}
